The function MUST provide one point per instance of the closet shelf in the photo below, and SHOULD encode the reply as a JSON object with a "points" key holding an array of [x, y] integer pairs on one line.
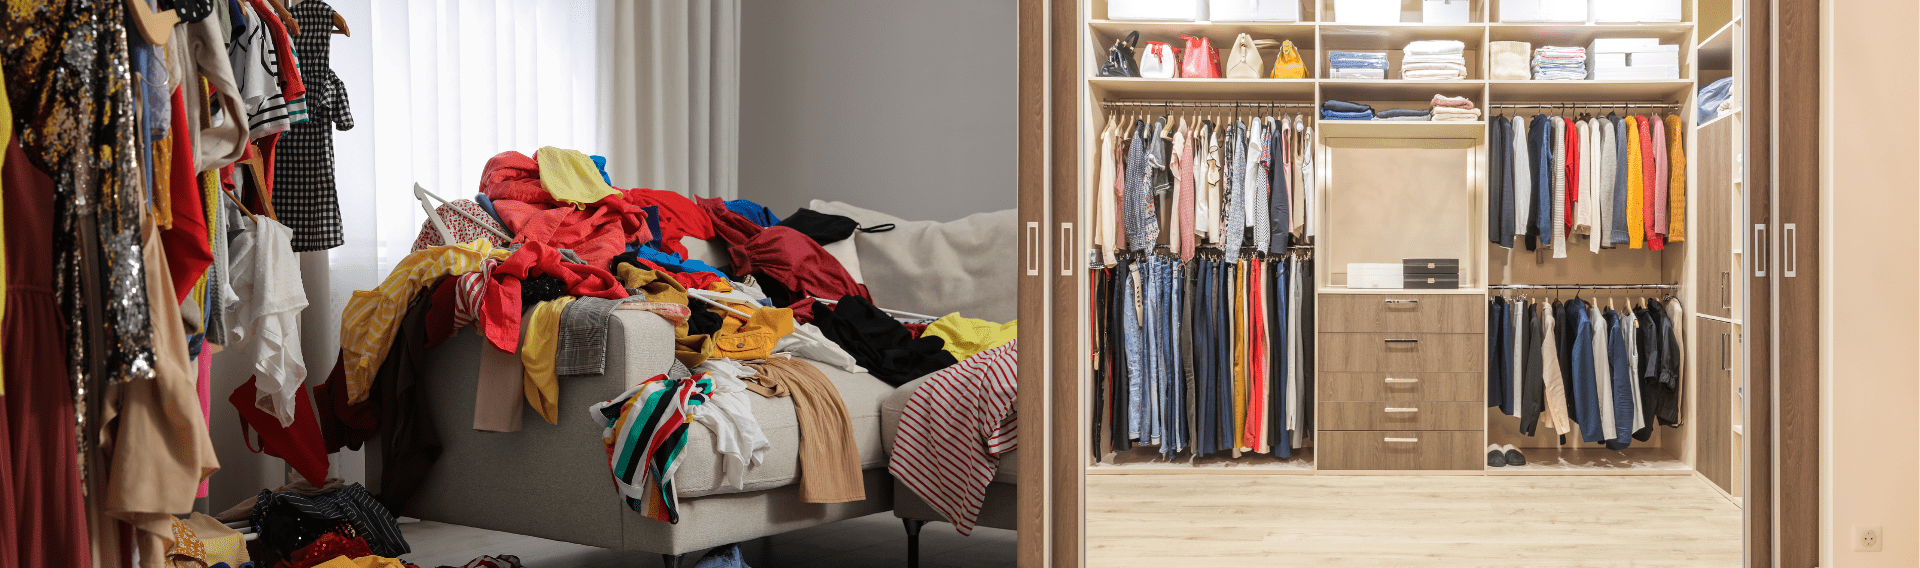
{"points": [[1294, 90], [1220, 34], [1596, 461], [1716, 52], [1580, 35], [1398, 291], [1389, 90], [1589, 91], [1401, 130], [1397, 36]]}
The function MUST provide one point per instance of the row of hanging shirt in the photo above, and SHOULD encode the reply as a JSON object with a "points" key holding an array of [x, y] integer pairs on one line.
{"points": [[1204, 355], [1185, 181], [1609, 373], [1618, 181]]}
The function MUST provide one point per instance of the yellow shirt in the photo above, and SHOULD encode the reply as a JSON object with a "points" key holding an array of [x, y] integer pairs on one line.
{"points": [[966, 336], [659, 286], [571, 177], [748, 339], [1636, 216], [1677, 184], [538, 346], [372, 316]]}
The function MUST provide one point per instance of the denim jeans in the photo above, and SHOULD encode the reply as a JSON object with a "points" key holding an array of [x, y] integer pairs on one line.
{"points": [[1131, 322]]}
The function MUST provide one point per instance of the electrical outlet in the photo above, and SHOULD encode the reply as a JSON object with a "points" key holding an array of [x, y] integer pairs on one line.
{"points": [[1866, 538]]}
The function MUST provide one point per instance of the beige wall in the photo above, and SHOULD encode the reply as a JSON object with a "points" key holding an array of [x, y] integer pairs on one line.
{"points": [[1870, 466], [900, 106]]}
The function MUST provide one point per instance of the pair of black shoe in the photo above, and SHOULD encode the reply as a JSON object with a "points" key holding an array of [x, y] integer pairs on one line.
{"points": [[1502, 456]]}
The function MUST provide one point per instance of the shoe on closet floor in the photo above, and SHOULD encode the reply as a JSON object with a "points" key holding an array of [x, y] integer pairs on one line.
{"points": [[1513, 456], [1495, 458]]}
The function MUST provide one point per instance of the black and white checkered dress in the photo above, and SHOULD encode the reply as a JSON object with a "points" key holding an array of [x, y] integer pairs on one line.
{"points": [[303, 186]]}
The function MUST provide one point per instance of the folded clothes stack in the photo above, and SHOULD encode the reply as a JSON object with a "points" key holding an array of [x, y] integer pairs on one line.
{"points": [[1552, 63], [1404, 114], [1335, 109], [1454, 102], [1357, 65], [1451, 114], [1434, 60]]}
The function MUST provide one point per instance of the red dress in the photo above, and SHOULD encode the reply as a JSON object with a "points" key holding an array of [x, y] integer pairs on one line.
{"points": [[47, 519]]}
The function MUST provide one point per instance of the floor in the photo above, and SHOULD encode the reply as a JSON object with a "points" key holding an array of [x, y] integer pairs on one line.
{"points": [[1321, 520], [874, 541]]}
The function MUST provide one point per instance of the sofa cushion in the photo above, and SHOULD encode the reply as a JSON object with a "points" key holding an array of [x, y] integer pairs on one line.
{"points": [[699, 472], [1008, 471], [934, 268]]}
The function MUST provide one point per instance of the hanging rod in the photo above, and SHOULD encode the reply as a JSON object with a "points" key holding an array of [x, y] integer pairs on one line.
{"points": [[1584, 286], [1591, 105], [1203, 104]]}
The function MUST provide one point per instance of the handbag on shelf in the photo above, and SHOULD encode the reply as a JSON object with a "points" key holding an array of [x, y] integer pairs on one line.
{"points": [[1288, 64], [1157, 61], [1120, 62], [1200, 60], [1244, 62]]}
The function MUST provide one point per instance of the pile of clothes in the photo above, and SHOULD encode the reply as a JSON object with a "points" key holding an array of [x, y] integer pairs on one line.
{"points": [[1553, 63], [1336, 109], [1454, 109], [1434, 60], [1357, 65]]}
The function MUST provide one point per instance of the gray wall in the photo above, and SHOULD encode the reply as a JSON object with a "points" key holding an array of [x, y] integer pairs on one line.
{"points": [[907, 107]]}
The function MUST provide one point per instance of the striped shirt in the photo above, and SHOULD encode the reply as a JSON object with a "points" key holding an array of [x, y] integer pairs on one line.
{"points": [[372, 316], [646, 430], [954, 430]]}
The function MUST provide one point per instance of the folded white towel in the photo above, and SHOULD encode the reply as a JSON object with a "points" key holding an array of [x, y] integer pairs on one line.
{"points": [[1471, 113], [1435, 47], [1461, 67], [1434, 59], [1510, 60]]}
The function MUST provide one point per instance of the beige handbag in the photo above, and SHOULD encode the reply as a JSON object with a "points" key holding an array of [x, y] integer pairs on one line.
{"points": [[1244, 62]]}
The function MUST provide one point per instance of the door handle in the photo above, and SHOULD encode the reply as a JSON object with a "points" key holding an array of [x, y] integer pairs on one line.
{"points": [[1726, 350], [1394, 380], [1033, 248], [1760, 250], [1402, 440], [1392, 409], [1402, 340], [1403, 301], [1726, 289], [1789, 250], [1066, 249]]}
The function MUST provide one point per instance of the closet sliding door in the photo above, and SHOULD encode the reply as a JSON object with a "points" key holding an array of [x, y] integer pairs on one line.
{"points": [[1035, 264], [1066, 478]]}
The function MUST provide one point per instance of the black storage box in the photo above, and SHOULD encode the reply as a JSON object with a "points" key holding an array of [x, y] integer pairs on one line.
{"points": [[1431, 281], [1430, 266]]}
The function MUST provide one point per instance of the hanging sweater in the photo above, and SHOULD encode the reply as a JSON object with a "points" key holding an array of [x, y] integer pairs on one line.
{"points": [[1677, 185], [1636, 213]]}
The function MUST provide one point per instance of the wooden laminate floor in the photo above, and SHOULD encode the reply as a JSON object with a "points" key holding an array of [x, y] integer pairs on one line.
{"points": [[1320, 520]]}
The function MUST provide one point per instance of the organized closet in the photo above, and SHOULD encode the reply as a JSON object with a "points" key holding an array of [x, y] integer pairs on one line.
{"points": [[1344, 297]]}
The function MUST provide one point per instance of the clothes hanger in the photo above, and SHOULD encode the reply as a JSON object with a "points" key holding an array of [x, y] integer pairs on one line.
{"points": [[155, 27], [340, 25], [433, 216], [286, 17]]}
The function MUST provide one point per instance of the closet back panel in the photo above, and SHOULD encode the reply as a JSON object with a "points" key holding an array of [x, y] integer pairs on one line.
{"points": [[1394, 199], [1503, 429]]}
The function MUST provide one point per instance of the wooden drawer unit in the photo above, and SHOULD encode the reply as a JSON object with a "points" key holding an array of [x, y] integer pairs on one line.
{"points": [[1390, 450], [1402, 386], [1388, 352], [1409, 313], [1402, 416]]}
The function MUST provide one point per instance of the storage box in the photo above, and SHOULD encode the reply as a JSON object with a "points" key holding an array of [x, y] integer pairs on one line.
{"points": [[1177, 10], [1366, 11], [1431, 281], [1373, 275], [1632, 59], [1430, 266], [1254, 10], [1357, 74], [1610, 11], [1544, 10], [1446, 11]]}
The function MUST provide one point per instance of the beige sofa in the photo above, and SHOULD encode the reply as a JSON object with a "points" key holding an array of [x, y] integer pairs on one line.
{"points": [[551, 481]]}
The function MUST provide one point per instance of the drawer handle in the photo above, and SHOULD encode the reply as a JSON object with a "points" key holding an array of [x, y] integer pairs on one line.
{"points": [[1392, 409], [1403, 440], [1403, 301], [1402, 341], [1394, 380]]}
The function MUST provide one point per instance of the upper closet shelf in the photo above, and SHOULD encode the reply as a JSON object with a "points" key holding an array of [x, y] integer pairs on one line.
{"points": [[1220, 34], [1589, 91], [1401, 130], [1716, 52], [1581, 35], [1278, 90]]}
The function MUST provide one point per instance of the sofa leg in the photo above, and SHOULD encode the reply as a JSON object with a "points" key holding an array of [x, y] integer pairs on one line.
{"points": [[672, 560], [913, 541]]}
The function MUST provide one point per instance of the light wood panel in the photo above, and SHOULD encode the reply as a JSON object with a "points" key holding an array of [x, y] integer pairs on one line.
{"points": [[1388, 450], [1413, 313], [1713, 347], [1154, 521], [1407, 415], [1403, 386], [1437, 352], [1712, 234]]}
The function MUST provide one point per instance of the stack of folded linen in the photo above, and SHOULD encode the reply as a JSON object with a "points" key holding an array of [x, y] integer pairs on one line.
{"points": [[1404, 114], [1552, 63], [1434, 60], [1454, 109], [1335, 109], [1357, 65]]}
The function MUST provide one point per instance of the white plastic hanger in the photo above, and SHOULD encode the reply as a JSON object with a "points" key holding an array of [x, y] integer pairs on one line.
{"points": [[433, 216]]}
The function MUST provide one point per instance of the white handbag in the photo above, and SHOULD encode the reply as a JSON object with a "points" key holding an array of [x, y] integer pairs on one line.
{"points": [[1244, 62], [1157, 61]]}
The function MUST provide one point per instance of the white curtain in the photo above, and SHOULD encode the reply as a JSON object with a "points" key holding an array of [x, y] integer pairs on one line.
{"points": [[671, 92]]}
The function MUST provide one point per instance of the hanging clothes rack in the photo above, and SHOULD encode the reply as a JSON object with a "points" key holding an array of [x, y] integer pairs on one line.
{"points": [[1584, 286], [1203, 104]]}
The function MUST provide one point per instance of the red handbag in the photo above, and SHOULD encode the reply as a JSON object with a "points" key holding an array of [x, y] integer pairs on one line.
{"points": [[1200, 60]]}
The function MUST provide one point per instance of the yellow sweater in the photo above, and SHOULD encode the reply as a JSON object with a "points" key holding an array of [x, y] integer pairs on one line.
{"points": [[1677, 184], [1239, 357], [1636, 205]]}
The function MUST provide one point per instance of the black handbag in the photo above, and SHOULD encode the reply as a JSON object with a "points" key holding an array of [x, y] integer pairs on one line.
{"points": [[1120, 61]]}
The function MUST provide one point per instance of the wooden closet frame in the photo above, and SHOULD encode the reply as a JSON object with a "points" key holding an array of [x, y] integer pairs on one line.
{"points": [[1781, 471]]}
